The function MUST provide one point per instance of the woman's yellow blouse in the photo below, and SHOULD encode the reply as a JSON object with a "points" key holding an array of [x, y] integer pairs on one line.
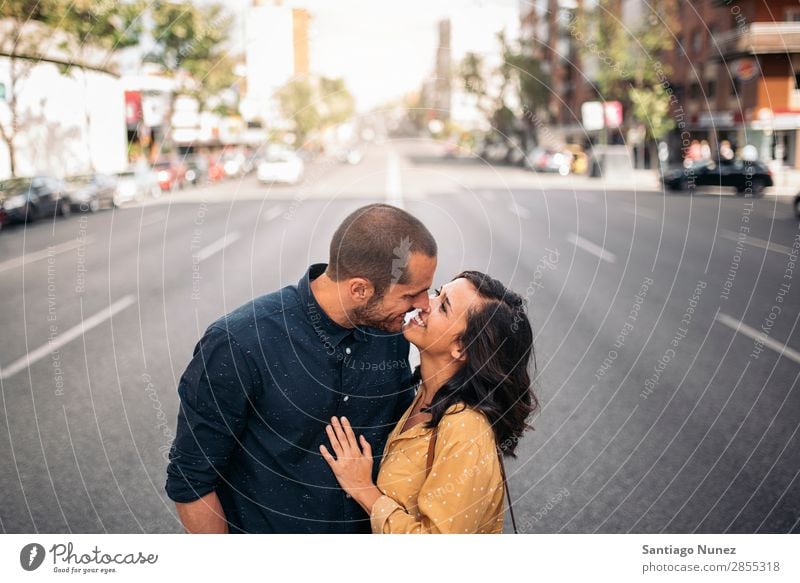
{"points": [[463, 492]]}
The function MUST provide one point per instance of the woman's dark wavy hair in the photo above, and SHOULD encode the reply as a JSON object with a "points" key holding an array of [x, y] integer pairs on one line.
{"points": [[498, 345]]}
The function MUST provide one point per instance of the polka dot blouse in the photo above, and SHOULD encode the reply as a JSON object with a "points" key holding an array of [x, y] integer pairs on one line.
{"points": [[463, 492]]}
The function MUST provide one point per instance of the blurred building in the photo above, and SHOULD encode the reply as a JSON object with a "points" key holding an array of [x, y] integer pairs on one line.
{"points": [[545, 30], [458, 36], [736, 74], [276, 50], [53, 99], [441, 81], [301, 20]]}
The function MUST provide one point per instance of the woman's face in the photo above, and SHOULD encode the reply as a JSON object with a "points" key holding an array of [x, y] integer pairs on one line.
{"points": [[437, 331]]}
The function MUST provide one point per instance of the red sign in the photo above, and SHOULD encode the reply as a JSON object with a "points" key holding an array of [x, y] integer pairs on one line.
{"points": [[133, 108], [745, 69], [613, 114]]}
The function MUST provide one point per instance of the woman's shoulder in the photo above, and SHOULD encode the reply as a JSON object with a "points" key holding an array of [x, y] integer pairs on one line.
{"points": [[463, 423]]}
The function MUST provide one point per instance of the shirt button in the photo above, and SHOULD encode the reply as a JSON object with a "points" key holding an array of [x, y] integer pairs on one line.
{"points": [[346, 397], [347, 496], [347, 350]]}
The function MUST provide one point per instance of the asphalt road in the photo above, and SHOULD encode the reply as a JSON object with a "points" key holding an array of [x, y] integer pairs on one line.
{"points": [[660, 412]]}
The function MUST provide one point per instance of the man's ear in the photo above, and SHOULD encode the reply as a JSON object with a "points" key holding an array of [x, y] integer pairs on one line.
{"points": [[361, 289]]}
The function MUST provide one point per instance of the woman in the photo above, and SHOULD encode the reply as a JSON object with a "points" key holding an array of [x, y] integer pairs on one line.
{"points": [[441, 472]]}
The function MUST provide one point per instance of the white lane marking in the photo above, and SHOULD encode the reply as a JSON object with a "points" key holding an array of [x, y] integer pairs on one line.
{"points": [[71, 334], [591, 248], [152, 219], [44, 253], [273, 213], [520, 211], [217, 246], [394, 187], [760, 337], [642, 212], [756, 242]]}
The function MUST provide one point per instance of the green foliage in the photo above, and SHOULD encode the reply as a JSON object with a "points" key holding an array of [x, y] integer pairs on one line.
{"points": [[298, 105], [105, 25], [25, 10], [626, 54], [627, 58], [651, 107], [338, 103], [187, 36]]}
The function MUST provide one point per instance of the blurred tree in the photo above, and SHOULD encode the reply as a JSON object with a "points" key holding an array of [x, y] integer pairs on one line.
{"points": [[189, 41], [516, 83], [91, 28], [338, 103], [214, 78], [416, 110], [628, 71], [20, 38], [651, 107], [473, 77], [532, 87], [299, 106]]}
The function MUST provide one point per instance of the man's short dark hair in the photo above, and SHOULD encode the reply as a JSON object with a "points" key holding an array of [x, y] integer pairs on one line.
{"points": [[375, 242]]}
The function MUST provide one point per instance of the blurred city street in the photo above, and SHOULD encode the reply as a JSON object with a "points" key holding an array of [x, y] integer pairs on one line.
{"points": [[660, 411]]}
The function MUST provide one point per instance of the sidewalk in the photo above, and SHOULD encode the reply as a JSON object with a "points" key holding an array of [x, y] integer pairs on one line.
{"points": [[787, 182]]}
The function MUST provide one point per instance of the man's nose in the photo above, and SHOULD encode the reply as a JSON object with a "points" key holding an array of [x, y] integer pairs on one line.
{"points": [[423, 302]]}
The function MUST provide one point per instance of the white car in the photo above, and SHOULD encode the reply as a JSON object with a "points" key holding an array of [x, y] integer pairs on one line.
{"points": [[286, 168], [135, 184]]}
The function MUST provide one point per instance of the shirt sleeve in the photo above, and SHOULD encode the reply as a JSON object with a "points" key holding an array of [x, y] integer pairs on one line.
{"points": [[215, 393], [460, 487]]}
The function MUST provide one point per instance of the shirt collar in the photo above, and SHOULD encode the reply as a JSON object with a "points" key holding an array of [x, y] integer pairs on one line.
{"points": [[318, 317]]}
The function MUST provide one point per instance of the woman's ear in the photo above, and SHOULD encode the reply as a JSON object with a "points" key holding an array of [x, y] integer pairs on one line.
{"points": [[458, 353]]}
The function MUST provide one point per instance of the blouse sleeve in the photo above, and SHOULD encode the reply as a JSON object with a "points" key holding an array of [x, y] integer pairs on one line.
{"points": [[460, 487]]}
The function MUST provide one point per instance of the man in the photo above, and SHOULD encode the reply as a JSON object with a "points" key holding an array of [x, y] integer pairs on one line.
{"points": [[266, 379]]}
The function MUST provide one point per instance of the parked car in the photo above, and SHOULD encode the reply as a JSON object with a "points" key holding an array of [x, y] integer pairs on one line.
{"points": [[28, 199], [215, 170], [350, 155], [743, 175], [171, 174], [136, 183], [281, 167], [493, 150], [580, 159], [196, 169], [234, 165], [545, 160], [90, 192]]}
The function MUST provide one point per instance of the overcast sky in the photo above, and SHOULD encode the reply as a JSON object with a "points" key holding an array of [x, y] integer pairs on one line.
{"points": [[384, 49]]}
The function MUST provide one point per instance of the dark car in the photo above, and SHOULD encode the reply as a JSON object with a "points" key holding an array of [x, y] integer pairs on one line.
{"points": [[90, 192], [747, 177], [28, 199], [196, 169], [797, 205]]}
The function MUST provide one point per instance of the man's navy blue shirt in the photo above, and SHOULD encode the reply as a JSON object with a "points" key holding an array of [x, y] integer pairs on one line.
{"points": [[262, 384]]}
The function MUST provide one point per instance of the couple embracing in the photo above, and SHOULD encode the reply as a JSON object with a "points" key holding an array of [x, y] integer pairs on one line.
{"points": [[299, 412]]}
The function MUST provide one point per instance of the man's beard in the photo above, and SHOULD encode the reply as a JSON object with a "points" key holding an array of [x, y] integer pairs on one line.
{"points": [[372, 315]]}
